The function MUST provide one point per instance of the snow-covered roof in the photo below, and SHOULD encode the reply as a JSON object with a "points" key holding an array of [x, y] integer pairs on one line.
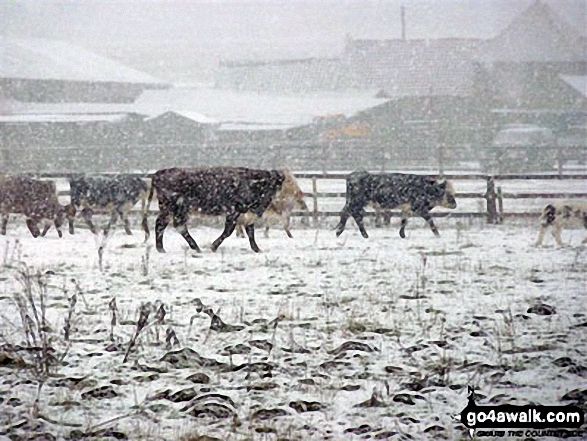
{"points": [[227, 127], [193, 116], [577, 82], [44, 59], [233, 110], [248, 108], [63, 117]]}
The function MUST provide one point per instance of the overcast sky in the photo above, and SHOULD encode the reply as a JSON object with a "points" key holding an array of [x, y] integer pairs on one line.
{"points": [[166, 36]]}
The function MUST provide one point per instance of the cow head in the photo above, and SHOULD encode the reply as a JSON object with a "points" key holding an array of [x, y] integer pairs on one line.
{"points": [[448, 194], [290, 190]]}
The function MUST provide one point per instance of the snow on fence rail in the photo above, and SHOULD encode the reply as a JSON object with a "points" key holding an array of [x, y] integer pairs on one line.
{"points": [[493, 197]]}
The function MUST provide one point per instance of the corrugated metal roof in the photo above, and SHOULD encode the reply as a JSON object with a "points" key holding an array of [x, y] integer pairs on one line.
{"points": [[401, 68], [536, 35], [43, 59]]}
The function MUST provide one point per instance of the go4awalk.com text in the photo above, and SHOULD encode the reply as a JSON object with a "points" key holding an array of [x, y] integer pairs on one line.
{"points": [[529, 421]]}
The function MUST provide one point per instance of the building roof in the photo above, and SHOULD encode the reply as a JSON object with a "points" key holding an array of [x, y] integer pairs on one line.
{"points": [[536, 35], [282, 76], [239, 109], [234, 110], [61, 118], [577, 82], [400, 68], [192, 116], [44, 59]]}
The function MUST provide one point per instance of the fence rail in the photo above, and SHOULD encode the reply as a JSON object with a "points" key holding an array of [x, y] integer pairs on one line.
{"points": [[493, 196], [302, 155]]}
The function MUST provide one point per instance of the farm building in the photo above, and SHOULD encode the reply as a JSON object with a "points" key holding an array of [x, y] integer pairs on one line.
{"points": [[451, 92], [530, 69], [41, 70]]}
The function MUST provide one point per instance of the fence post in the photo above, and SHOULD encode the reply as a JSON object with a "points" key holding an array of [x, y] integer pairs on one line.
{"points": [[440, 159], [315, 201], [490, 196], [500, 205], [559, 160]]}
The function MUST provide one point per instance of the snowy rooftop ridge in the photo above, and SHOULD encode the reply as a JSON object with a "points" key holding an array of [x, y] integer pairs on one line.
{"points": [[577, 82], [45, 59], [234, 110]]}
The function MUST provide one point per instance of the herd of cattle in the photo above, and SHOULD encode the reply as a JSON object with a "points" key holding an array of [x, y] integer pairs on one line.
{"points": [[241, 195]]}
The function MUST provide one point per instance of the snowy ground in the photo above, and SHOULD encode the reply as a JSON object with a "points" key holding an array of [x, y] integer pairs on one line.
{"points": [[375, 338]]}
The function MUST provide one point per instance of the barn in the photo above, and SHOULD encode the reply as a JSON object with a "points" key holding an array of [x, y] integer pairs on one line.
{"points": [[52, 71]]}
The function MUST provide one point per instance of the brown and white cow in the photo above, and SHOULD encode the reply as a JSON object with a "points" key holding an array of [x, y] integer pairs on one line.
{"points": [[35, 199], [215, 191], [559, 215], [410, 193], [285, 201]]}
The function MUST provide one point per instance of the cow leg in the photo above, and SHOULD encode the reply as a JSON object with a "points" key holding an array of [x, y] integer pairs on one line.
{"points": [[377, 217], [180, 220], [358, 216], [45, 229], [181, 227], [33, 228], [556, 233], [404, 222], [428, 218], [541, 235], [160, 225], [229, 226], [87, 216], [239, 230], [286, 223], [112, 221], [4, 223], [250, 229], [344, 217], [124, 217], [402, 229]]}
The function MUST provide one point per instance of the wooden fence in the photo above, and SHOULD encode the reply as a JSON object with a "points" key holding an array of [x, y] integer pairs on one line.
{"points": [[493, 196], [318, 156]]}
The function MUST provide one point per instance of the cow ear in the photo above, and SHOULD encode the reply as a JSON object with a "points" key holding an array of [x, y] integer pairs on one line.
{"points": [[278, 176], [441, 182]]}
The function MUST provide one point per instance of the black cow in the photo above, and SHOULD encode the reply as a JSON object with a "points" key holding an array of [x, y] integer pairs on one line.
{"points": [[412, 193], [211, 191], [116, 195]]}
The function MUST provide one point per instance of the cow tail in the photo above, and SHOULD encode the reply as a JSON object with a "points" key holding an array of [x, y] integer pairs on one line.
{"points": [[548, 215], [145, 208]]}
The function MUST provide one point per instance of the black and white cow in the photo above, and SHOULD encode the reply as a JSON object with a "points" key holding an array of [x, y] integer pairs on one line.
{"points": [[211, 191], [559, 215], [115, 195], [411, 193]]}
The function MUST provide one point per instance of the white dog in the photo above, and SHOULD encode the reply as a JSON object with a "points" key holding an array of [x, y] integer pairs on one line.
{"points": [[559, 215]]}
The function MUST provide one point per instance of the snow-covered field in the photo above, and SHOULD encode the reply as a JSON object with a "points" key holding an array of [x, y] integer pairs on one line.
{"points": [[320, 337]]}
